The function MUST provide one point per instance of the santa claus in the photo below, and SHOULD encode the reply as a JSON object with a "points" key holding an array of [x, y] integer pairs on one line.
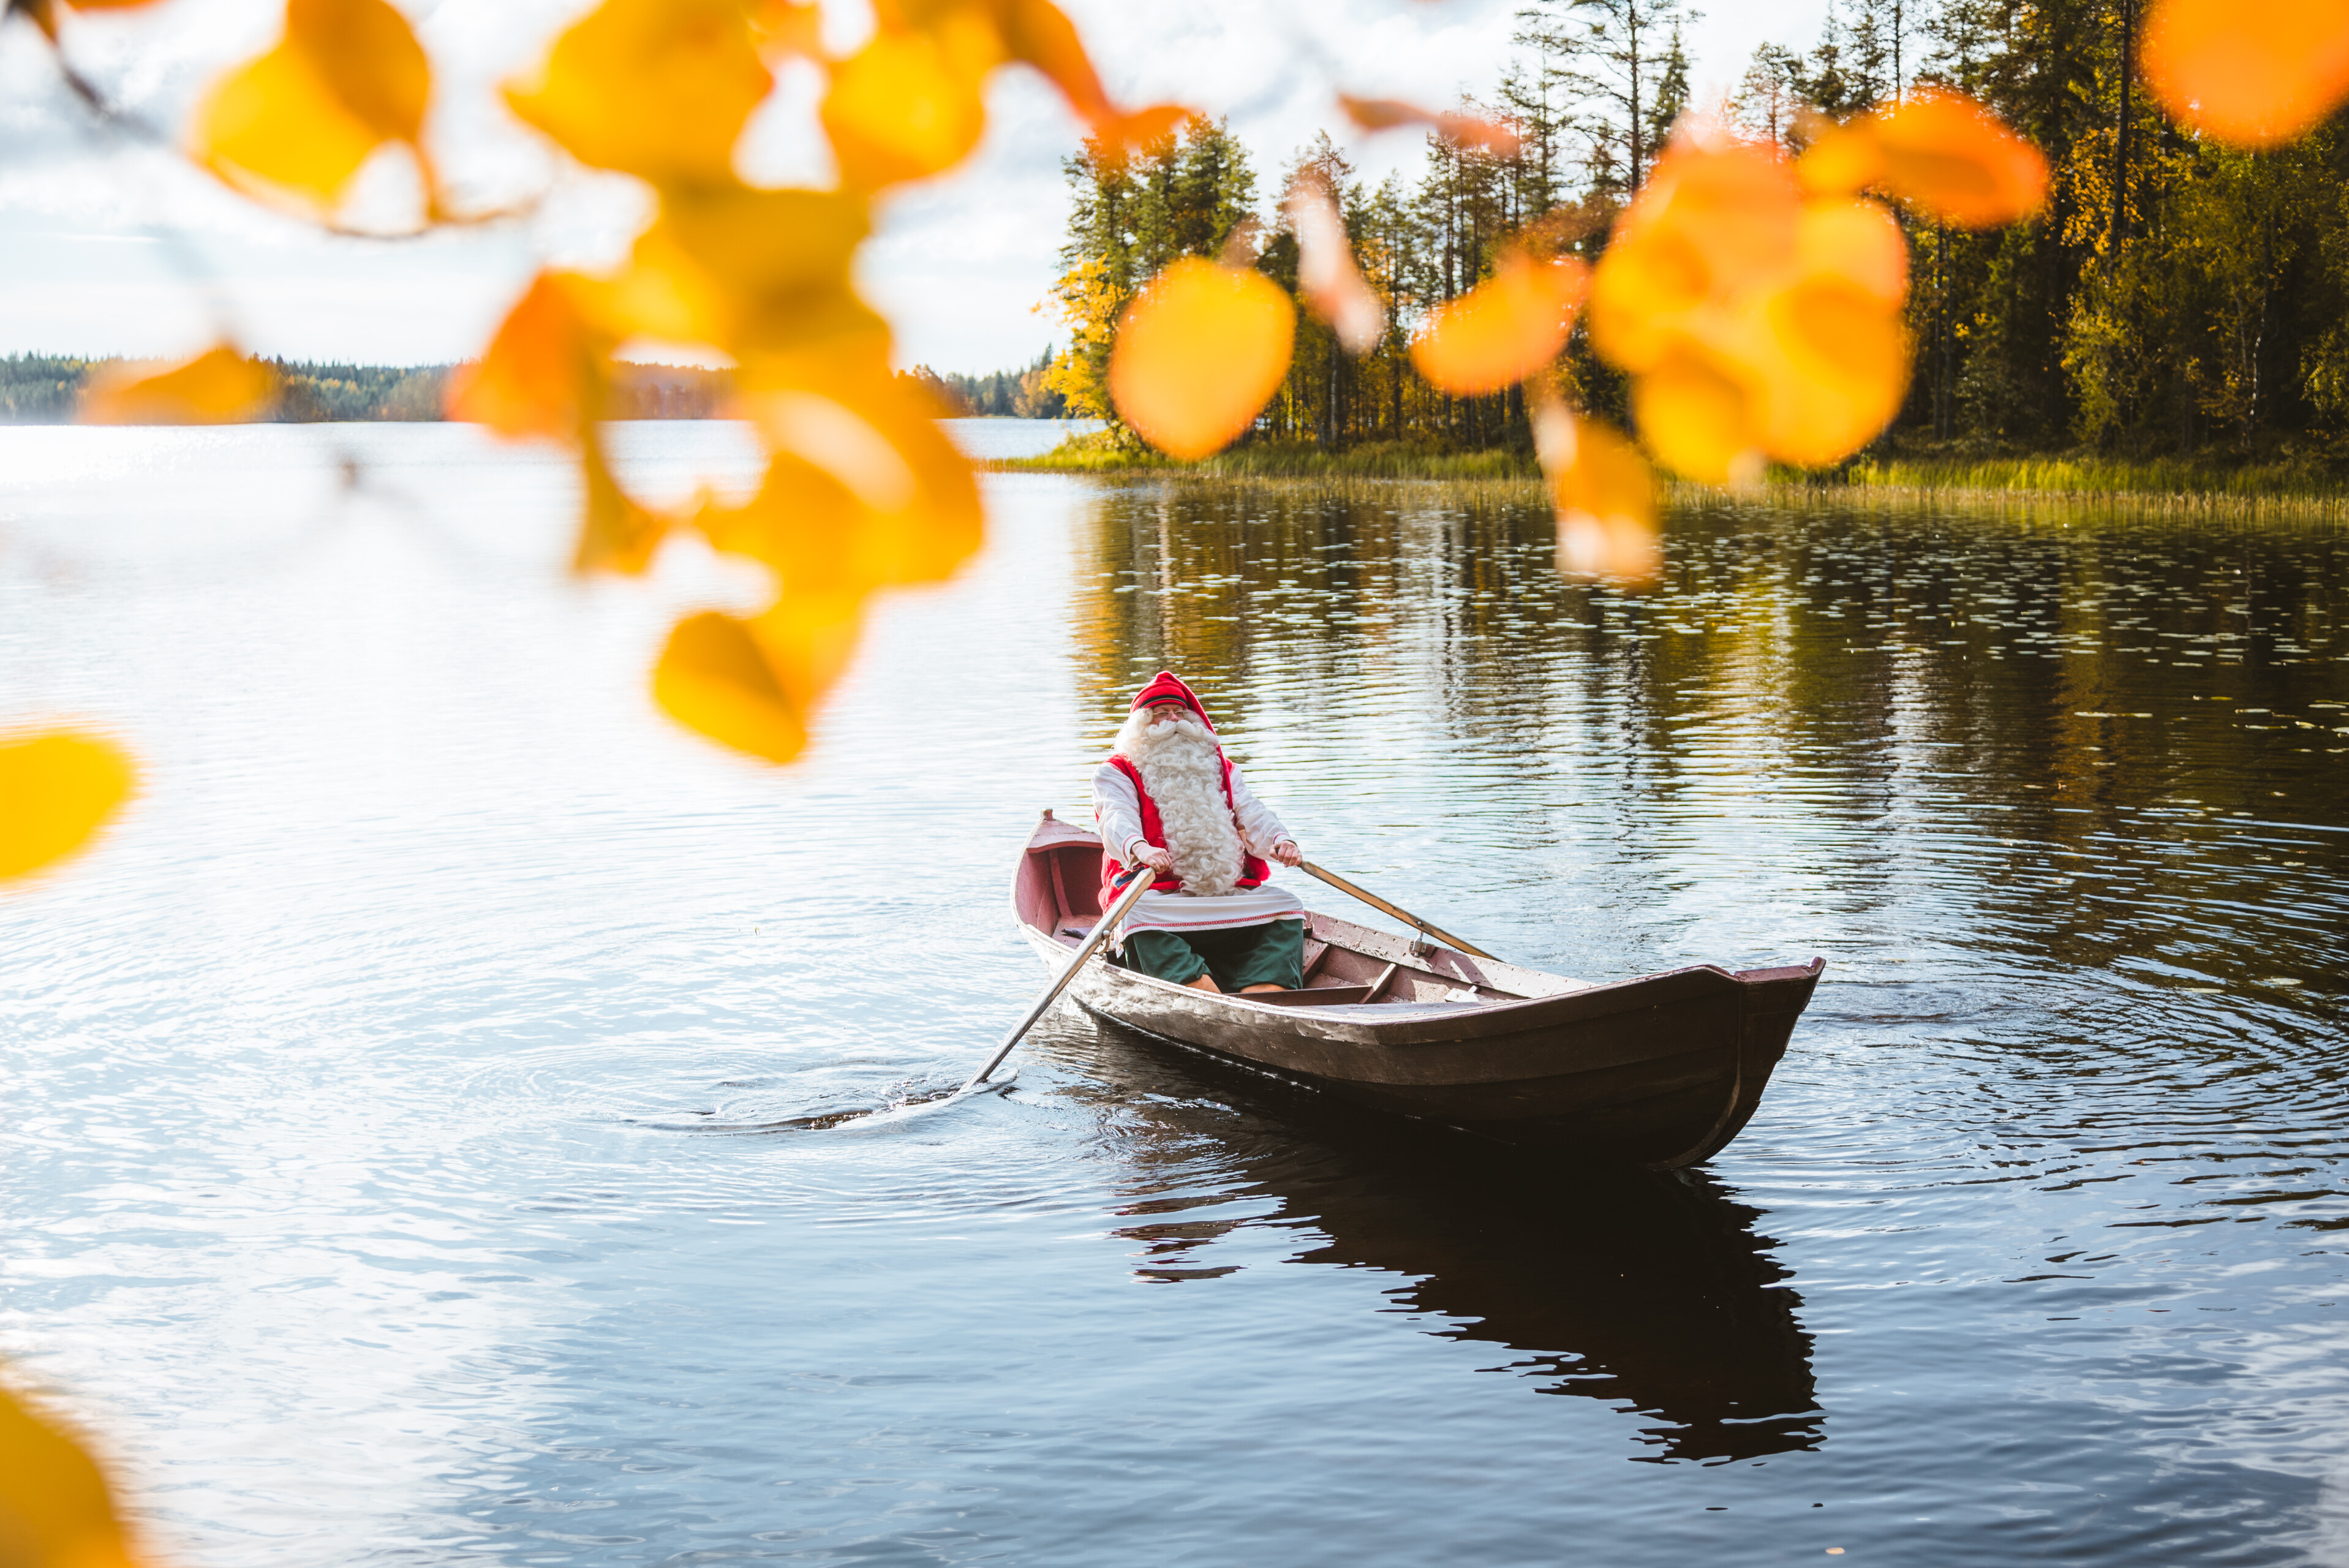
{"points": [[1169, 799]]}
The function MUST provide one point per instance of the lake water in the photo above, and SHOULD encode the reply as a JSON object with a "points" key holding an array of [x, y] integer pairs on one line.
{"points": [[337, 1197]]}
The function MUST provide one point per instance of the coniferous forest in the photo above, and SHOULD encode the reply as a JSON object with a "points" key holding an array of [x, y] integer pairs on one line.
{"points": [[2174, 298]]}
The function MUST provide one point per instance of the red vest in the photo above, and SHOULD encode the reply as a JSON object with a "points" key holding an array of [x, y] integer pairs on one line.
{"points": [[1252, 871]]}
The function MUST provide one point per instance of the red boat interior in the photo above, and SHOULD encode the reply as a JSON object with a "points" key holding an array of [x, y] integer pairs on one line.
{"points": [[1346, 964]]}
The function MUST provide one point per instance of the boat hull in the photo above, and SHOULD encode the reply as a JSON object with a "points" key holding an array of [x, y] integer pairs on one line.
{"points": [[1663, 1070]]}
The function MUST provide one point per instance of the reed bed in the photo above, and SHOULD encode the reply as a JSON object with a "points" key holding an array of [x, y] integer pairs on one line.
{"points": [[2039, 485], [1278, 460], [2278, 488]]}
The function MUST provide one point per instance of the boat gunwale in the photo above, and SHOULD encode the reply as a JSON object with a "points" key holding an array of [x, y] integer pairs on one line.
{"points": [[1483, 1020]]}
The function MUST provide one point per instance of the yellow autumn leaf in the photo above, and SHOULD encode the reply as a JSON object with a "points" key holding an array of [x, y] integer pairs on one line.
{"points": [[796, 524], [1755, 322], [1040, 33], [1605, 497], [218, 387], [659, 88], [863, 491], [1936, 150], [1197, 353], [1832, 365], [2254, 74], [910, 103], [275, 125], [1859, 241], [366, 52], [789, 28], [54, 1508], [300, 120], [1461, 129], [1696, 414], [808, 638], [1121, 135], [1642, 295], [714, 678], [1504, 329], [816, 536], [616, 532], [920, 515], [546, 371], [1713, 222], [1736, 203], [738, 267], [57, 789]]}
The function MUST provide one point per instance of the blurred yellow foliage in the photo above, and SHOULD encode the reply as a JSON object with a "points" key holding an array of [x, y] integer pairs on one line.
{"points": [[543, 373], [1754, 323], [1604, 495], [863, 491], [1504, 329], [57, 790], [1939, 151], [1198, 352], [658, 88], [297, 123], [54, 1508], [1756, 306], [713, 677], [908, 104], [218, 387], [2251, 75]]}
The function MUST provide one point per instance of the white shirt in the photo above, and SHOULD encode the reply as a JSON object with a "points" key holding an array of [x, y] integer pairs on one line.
{"points": [[1117, 813]]}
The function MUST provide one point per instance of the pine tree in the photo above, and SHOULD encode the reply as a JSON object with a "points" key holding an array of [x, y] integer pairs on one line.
{"points": [[1611, 57]]}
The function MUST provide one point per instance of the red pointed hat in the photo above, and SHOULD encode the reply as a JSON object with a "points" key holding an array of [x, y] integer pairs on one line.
{"points": [[1166, 685]]}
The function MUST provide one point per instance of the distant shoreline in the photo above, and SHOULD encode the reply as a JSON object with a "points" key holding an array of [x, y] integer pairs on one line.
{"points": [[47, 390], [36, 392], [2280, 482]]}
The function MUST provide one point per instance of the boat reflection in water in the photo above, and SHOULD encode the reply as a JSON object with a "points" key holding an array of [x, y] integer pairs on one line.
{"points": [[1649, 1291]]}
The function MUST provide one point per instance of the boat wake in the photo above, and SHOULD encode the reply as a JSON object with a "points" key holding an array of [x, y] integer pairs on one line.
{"points": [[897, 1108]]}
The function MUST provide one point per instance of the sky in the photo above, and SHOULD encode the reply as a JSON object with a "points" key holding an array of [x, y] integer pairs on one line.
{"points": [[109, 245]]}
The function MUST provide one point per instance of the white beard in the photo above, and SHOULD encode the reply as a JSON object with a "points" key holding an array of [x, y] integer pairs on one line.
{"points": [[1183, 768]]}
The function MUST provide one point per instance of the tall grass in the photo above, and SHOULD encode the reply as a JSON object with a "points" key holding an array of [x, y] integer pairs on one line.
{"points": [[1101, 453], [2179, 480], [2283, 486]]}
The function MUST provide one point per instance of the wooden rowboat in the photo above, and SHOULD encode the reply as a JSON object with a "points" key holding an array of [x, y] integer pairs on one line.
{"points": [[1661, 1071]]}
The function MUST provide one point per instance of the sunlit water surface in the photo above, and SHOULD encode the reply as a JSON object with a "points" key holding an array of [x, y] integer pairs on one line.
{"points": [[340, 1199]]}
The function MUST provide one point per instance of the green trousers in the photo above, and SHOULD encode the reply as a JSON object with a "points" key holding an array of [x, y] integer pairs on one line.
{"points": [[1272, 954]]}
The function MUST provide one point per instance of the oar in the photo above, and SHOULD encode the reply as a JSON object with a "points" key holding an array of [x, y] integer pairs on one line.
{"points": [[1137, 883], [1135, 886], [1375, 901]]}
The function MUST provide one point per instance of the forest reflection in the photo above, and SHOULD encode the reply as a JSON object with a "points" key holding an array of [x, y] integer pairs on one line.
{"points": [[1818, 678], [2041, 785]]}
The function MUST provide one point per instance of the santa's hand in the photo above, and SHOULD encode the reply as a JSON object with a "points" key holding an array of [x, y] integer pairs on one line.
{"points": [[1288, 853], [1156, 858]]}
